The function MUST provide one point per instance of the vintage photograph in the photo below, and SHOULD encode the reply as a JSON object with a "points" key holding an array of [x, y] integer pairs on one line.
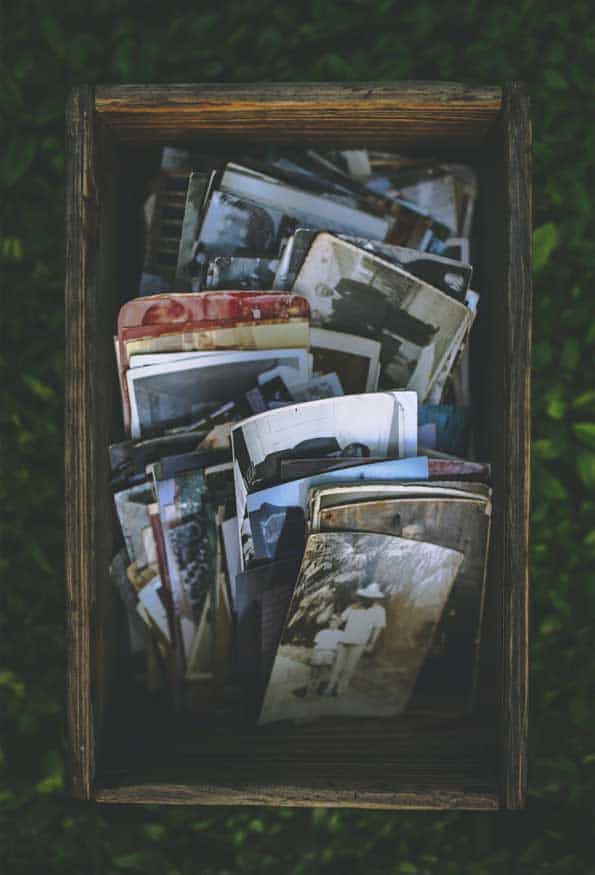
{"points": [[436, 194], [292, 257], [187, 547], [133, 514], [300, 208], [354, 291], [238, 226], [237, 320], [384, 424], [376, 599], [182, 392], [323, 384], [462, 524], [449, 276], [356, 360], [187, 275], [378, 424], [227, 272], [332, 495], [192, 552], [176, 313]]}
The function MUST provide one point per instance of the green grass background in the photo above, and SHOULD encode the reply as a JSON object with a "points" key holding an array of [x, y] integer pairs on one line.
{"points": [[47, 48]]}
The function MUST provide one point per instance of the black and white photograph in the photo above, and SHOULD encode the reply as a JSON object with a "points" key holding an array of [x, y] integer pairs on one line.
{"points": [[449, 276], [237, 226], [188, 276], [181, 392], [322, 385], [192, 551], [378, 424], [227, 272], [383, 423], [353, 291], [435, 194], [292, 257], [462, 524], [133, 514], [188, 547], [446, 274], [356, 360], [301, 208], [457, 248], [378, 598]]}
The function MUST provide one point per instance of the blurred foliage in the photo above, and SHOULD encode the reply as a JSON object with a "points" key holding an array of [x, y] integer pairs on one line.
{"points": [[49, 47]]}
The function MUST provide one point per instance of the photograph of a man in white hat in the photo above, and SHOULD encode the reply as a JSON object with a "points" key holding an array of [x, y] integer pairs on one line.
{"points": [[364, 622], [359, 626]]}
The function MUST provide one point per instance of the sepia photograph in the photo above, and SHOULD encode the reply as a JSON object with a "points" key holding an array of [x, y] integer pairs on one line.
{"points": [[353, 291], [462, 524], [449, 276], [359, 626], [332, 495]]}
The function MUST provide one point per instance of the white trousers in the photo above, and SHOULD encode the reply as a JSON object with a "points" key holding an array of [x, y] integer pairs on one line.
{"points": [[346, 660]]}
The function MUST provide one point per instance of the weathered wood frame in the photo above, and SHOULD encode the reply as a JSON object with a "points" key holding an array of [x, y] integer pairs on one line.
{"points": [[494, 126]]}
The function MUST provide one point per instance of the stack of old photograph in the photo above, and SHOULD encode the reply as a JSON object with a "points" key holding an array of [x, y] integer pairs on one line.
{"points": [[304, 526]]}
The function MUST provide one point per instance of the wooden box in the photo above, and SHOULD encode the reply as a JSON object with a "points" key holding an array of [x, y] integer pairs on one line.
{"points": [[119, 750]]}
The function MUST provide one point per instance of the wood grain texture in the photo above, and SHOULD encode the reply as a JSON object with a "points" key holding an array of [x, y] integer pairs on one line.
{"points": [[90, 293], [294, 796], [104, 413], [515, 596], [80, 434], [508, 402], [417, 761], [413, 114]]}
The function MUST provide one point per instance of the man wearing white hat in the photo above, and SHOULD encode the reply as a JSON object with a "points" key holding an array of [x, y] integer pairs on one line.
{"points": [[364, 621]]}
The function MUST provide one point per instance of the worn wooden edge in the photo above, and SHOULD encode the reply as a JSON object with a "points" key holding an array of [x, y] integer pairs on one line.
{"points": [[407, 91], [401, 113], [298, 796], [106, 304], [80, 519], [80, 511], [514, 594]]}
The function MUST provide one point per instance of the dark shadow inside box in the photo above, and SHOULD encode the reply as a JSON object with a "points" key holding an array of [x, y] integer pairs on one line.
{"points": [[143, 740]]}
